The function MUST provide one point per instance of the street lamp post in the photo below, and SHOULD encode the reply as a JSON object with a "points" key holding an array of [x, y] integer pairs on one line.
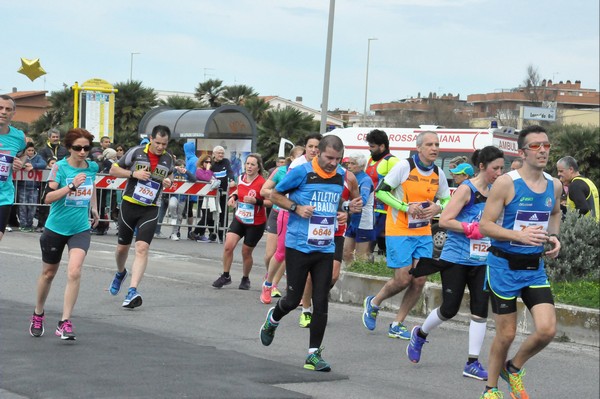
{"points": [[325, 101], [131, 66], [367, 79]]}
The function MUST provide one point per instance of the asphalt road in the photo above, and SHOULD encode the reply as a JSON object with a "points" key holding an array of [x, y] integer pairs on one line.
{"points": [[189, 340]]}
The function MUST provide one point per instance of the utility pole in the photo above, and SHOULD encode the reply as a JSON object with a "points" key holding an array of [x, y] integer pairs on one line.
{"points": [[131, 66], [325, 101], [367, 79]]}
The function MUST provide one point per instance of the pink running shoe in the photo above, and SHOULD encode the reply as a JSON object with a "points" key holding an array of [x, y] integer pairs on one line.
{"points": [[265, 295]]}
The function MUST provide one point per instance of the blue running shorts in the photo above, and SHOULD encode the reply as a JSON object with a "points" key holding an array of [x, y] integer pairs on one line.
{"points": [[401, 250], [507, 283]]}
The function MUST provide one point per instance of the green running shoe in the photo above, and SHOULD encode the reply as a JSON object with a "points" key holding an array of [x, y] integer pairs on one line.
{"points": [[267, 331], [493, 393], [515, 382], [315, 362], [305, 319]]}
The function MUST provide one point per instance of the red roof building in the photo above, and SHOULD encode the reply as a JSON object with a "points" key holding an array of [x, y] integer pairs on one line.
{"points": [[30, 105]]}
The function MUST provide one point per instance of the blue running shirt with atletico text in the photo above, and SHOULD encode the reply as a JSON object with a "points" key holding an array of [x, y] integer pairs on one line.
{"points": [[307, 186]]}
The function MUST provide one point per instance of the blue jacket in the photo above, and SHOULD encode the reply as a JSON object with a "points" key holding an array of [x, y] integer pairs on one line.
{"points": [[37, 161], [189, 149]]}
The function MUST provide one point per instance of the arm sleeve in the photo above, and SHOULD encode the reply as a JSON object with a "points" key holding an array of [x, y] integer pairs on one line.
{"points": [[395, 177], [389, 199], [443, 192]]}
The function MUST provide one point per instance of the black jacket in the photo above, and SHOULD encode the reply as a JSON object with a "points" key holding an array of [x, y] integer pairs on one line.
{"points": [[50, 150]]}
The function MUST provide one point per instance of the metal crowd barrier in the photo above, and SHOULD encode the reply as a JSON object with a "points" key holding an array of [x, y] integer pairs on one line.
{"points": [[109, 197]]}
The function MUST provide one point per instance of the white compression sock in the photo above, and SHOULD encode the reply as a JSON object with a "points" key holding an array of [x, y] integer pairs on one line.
{"points": [[477, 329], [432, 321]]}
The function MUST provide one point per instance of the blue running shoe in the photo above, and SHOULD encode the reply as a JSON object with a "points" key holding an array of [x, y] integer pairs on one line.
{"points": [[413, 349], [369, 313], [315, 362], [267, 331], [115, 286], [399, 331], [475, 370], [133, 299]]}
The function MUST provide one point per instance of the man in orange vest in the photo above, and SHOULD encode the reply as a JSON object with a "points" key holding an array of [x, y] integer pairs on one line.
{"points": [[409, 190]]}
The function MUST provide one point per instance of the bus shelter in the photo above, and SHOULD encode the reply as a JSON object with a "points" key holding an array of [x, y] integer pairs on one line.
{"points": [[229, 126]]}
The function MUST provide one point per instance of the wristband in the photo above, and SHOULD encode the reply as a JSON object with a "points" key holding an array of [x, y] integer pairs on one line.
{"points": [[259, 201], [131, 174], [553, 235], [234, 196]]}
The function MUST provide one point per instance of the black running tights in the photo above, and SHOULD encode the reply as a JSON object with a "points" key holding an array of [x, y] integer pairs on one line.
{"points": [[298, 266]]}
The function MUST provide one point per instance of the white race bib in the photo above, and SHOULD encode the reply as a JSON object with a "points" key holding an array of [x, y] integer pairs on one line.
{"points": [[523, 219], [478, 249], [6, 162], [416, 223], [146, 191], [245, 212], [321, 230], [81, 197]]}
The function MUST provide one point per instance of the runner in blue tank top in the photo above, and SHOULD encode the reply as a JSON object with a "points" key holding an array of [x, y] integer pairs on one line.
{"points": [[71, 191], [314, 196], [12, 143], [463, 260], [521, 215]]}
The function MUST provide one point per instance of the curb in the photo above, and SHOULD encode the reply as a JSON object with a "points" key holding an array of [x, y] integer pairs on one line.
{"points": [[574, 324]]}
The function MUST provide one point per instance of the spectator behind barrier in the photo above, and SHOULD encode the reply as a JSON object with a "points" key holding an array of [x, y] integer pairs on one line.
{"points": [[28, 190]]}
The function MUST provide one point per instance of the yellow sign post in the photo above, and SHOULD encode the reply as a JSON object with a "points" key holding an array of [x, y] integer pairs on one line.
{"points": [[94, 107]]}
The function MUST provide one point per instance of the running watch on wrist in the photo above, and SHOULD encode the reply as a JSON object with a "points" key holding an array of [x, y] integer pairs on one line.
{"points": [[72, 187], [293, 207]]}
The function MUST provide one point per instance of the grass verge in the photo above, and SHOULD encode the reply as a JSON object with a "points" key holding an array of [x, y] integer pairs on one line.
{"points": [[584, 293]]}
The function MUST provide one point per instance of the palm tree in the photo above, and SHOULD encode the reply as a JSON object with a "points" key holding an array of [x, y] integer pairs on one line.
{"points": [[580, 142], [211, 92], [180, 102], [257, 108], [288, 123], [238, 94], [132, 102], [59, 115]]}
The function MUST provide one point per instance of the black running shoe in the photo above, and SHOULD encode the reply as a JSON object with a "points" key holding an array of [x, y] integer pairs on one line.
{"points": [[36, 328], [221, 281]]}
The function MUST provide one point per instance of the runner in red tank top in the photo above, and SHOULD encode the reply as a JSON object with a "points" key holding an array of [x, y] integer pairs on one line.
{"points": [[249, 221]]}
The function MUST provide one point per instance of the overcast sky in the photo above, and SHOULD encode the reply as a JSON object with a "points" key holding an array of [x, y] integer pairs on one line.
{"points": [[278, 46]]}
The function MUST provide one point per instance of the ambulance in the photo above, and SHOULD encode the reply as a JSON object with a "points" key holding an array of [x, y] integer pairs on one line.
{"points": [[453, 142]]}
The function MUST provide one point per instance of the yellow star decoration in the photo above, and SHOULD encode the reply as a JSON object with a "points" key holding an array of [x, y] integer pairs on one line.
{"points": [[31, 68]]}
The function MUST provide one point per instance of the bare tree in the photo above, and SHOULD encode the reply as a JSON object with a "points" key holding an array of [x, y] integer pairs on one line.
{"points": [[537, 91], [507, 117]]}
